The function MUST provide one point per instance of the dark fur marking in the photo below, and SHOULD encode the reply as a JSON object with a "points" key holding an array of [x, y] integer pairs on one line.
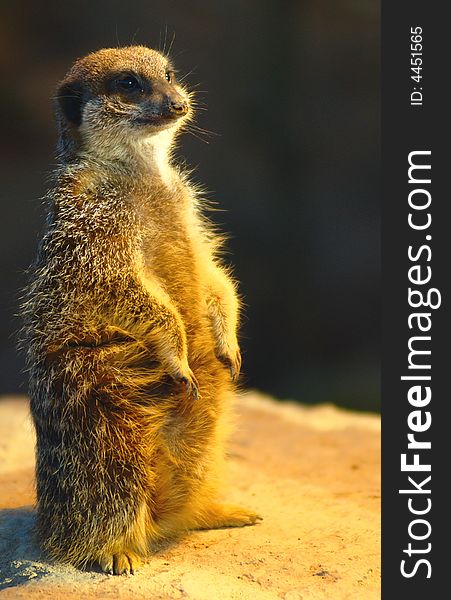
{"points": [[70, 99]]}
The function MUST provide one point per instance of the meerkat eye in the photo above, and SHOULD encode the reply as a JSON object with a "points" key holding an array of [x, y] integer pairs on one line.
{"points": [[128, 84], [169, 76]]}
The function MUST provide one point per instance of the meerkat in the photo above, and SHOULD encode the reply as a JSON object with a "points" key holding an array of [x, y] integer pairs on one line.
{"points": [[130, 325]]}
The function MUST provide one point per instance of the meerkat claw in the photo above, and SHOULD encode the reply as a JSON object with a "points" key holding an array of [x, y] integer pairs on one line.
{"points": [[195, 392], [233, 364], [191, 385]]}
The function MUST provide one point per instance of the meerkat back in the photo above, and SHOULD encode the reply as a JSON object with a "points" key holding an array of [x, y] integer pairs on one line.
{"points": [[130, 325]]}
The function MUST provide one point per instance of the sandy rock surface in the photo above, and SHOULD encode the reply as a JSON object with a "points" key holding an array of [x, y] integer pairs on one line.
{"points": [[312, 473]]}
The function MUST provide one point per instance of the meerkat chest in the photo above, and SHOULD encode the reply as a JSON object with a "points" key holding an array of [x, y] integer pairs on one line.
{"points": [[169, 255]]}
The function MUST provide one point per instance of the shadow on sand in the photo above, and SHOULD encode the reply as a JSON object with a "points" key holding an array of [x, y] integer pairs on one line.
{"points": [[21, 560], [20, 557]]}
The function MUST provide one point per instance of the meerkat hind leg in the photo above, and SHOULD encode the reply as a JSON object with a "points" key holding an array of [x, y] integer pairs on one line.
{"points": [[218, 515]]}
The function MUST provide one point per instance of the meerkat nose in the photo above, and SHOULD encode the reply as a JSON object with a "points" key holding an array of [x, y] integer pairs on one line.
{"points": [[179, 107]]}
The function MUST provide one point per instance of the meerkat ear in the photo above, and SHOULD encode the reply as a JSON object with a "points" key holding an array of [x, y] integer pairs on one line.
{"points": [[70, 100]]}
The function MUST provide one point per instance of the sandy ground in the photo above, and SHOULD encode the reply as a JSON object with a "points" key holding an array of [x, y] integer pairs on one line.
{"points": [[312, 473]]}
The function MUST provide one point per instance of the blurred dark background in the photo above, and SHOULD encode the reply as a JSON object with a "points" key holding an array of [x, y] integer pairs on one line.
{"points": [[292, 90]]}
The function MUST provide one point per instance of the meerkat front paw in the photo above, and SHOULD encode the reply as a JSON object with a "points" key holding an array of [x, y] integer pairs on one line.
{"points": [[232, 360], [122, 563], [189, 381], [183, 375]]}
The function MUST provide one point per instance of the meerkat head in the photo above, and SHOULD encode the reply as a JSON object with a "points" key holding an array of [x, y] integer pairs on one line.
{"points": [[120, 103]]}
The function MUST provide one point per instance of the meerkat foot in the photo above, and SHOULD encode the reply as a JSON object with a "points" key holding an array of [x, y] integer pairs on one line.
{"points": [[227, 515], [121, 563]]}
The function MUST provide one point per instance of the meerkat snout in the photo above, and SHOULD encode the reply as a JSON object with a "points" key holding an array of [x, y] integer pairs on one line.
{"points": [[177, 105], [160, 104]]}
